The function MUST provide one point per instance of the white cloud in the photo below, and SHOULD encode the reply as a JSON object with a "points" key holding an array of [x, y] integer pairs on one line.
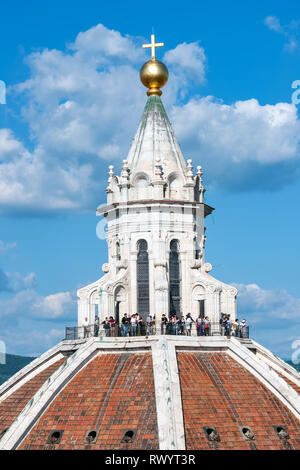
{"points": [[237, 144], [31, 342], [188, 61], [273, 23], [82, 106], [6, 246], [101, 44], [9, 146], [29, 304], [4, 282], [28, 182], [273, 315], [16, 282], [290, 31], [32, 323], [60, 305], [264, 304]]}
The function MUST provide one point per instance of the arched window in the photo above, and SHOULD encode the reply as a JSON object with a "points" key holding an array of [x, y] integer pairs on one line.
{"points": [[143, 279], [115, 189], [198, 301], [196, 189], [118, 252], [141, 187], [174, 186], [175, 278]]}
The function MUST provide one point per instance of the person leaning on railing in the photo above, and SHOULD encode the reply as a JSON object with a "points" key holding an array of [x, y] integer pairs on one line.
{"points": [[199, 325], [164, 322], [86, 328], [244, 329], [206, 326], [106, 326], [133, 325], [181, 325], [112, 323], [223, 323], [149, 323], [188, 324], [228, 325], [236, 327], [140, 324], [125, 324]]}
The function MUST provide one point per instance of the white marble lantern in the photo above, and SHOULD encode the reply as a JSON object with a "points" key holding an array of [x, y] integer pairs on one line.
{"points": [[155, 216]]}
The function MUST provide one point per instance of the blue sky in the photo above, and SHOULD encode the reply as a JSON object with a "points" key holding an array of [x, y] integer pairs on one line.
{"points": [[73, 104]]}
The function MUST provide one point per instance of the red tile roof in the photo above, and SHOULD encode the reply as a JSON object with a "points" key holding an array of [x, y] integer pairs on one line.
{"points": [[218, 392], [14, 403], [112, 394]]}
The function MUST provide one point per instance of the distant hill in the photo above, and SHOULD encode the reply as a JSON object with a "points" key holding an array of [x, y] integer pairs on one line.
{"points": [[13, 364]]}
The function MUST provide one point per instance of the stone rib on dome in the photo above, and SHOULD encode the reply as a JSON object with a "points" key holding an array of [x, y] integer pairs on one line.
{"points": [[154, 139], [14, 403]]}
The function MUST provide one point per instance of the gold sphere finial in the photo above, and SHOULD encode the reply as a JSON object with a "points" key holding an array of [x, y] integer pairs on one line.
{"points": [[154, 74]]}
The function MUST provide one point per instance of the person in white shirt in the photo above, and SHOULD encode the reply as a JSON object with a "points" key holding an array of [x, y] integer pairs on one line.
{"points": [[236, 327], [188, 324], [133, 324], [243, 329], [86, 328]]}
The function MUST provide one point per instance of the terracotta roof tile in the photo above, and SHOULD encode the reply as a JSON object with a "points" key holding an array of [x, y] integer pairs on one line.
{"points": [[112, 394], [14, 403], [218, 392]]}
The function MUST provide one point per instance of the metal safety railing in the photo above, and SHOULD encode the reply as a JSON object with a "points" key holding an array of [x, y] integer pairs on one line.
{"points": [[210, 329]]}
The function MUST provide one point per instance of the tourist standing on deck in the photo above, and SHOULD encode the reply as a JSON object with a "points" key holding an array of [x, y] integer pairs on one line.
{"points": [[188, 324], [236, 327], [243, 329], [199, 325], [206, 326], [96, 326], [149, 323], [140, 324], [228, 325], [125, 324], [164, 322], [182, 325], [112, 323], [133, 322], [86, 328], [106, 326]]}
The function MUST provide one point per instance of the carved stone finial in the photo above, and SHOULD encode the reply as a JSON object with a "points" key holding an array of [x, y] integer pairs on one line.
{"points": [[199, 172], [110, 173], [201, 187], [124, 172], [189, 172]]}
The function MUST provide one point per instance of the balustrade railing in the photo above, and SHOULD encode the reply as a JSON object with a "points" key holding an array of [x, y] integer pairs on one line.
{"points": [[81, 332]]}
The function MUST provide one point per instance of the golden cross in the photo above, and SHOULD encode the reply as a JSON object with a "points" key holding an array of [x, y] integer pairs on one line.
{"points": [[153, 45]]}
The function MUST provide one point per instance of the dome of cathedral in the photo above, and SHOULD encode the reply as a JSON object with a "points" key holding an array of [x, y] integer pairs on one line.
{"points": [[153, 390], [155, 393]]}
